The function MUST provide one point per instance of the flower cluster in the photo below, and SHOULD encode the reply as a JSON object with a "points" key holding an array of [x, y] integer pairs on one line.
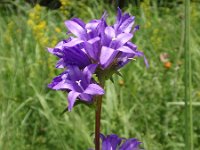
{"points": [[93, 48], [114, 142]]}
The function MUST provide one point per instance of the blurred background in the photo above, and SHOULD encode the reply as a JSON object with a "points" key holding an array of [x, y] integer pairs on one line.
{"points": [[147, 103]]}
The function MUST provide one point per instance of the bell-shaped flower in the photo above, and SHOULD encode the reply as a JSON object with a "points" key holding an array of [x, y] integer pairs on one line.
{"points": [[115, 45], [78, 83], [87, 35], [124, 23], [114, 142], [70, 55]]}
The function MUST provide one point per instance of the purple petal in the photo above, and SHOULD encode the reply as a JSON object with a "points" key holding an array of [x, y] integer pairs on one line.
{"points": [[124, 37], [79, 21], [92, 48], [62, 82], [146, 62], [94, 89], [124, 58], [59, 45], [106, 145], [123, 23], [102, 137], [137, 27], [76, 29], [73, 42], [60, 63], [119, 15], [110, 32], [114, 140], [57, 51], [131, 46], [107, 56], [64, 86], [121, 40], [71, 99], [92, 24], [126, 49], [75, 74], [86, 97], [50, 50], [104, 16], [75, 56], [94, 40], [127, 25], [130, 144], [58, 79], [88, 71]]}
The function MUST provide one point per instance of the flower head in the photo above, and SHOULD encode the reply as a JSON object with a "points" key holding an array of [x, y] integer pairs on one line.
{"points": [[78, 83], [69, 55], [114, 142], [105, 45], [93, 48]]}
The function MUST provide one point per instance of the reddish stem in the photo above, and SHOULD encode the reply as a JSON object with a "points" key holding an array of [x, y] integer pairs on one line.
{"points": [[98, 122]]}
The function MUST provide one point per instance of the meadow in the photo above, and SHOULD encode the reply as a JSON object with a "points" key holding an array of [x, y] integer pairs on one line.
{"points": [[147, 104]]}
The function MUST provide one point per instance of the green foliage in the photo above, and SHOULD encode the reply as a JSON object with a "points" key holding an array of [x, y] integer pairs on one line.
{"points": [[146, 103]]}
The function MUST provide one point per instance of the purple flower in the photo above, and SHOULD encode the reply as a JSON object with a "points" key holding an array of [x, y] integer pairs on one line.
{"points": [[114, 142], [124, 23], [110, 142], [130, 144], [78, 83], [105, 45], [70, 55], [87, 35], [93, 48]]}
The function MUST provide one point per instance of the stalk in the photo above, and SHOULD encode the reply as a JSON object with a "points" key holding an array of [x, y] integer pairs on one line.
{"points": [[98, 118], [98, 123], [188, 83]]}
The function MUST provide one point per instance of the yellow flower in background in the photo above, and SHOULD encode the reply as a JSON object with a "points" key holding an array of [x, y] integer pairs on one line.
{"points": [[145, 6], [149, 24], [194, 13], [58, 30], [156, 38], [30, 22], [10, 25], [41, 25], [65, 4], [38, 8], [38, 26], [8, 33]]}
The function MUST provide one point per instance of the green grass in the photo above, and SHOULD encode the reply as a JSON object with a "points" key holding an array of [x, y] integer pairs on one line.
{"points": [[148, 105]]}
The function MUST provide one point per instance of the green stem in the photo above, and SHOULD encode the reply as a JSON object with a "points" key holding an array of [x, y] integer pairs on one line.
{"points": [[188, 83]]}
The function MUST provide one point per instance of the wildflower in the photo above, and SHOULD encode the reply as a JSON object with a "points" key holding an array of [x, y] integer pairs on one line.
{"points": [[121, 82], [30, 22], [69, 55], [108, 46], [124, 23], [164, 57], [79, 84], [58, 30], [65, 5], [168, 64], [41, 25], [114, 142]]}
